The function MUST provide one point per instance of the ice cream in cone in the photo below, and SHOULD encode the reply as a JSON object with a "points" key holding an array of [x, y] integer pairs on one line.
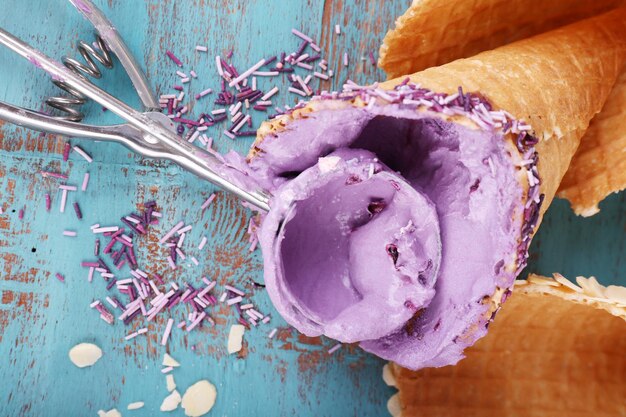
{"points": [[402, 212]]}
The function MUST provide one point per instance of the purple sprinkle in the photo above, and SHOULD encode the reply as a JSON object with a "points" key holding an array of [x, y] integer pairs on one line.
{"points": [[283, 69], [174, 299], [109, 247], [246, 133], [174, 58], [312, 58], [130, 318], [66, 151], [461, 96], [131, 257], [115, 256], [301, 48], [48, 174], [185, 121], [136, 217], [467, 104], [103, 265], [131, 225], [372, 60], [79, 214], [119, 304]]}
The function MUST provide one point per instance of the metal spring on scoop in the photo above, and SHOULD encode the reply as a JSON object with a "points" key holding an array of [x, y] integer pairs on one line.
{"points": [[71, 105]]}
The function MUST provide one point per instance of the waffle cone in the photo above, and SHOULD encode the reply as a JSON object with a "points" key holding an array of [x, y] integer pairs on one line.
{"points": [[556, 349], [434, 32], [599, 166], [557, 82]]}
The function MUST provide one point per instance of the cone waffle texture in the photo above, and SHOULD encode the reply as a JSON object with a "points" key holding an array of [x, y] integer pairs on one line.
{"points": [[557, 82], [556, 349], [599, 165], [434, 32]]}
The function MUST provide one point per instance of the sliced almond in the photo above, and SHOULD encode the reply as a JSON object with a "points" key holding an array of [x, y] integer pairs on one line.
{"points": [[110, 413], [235, 338], [169, 361], [393, 406], [170, 403], [199, 398], [566, 282], [616, 294], [169, 381], [388, 376], [591, 286], [85, 354], [135, 406]]}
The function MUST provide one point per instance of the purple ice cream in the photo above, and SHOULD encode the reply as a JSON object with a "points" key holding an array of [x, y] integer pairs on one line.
{"points": [[391, 226], [331, 272]]}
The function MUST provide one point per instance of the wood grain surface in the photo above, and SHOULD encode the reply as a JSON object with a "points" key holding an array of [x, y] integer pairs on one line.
{"points": [[42, 318]]}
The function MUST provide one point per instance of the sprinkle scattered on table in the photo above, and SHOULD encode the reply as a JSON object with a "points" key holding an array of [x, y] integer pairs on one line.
{"points": [[239, 88], [239, 95]]}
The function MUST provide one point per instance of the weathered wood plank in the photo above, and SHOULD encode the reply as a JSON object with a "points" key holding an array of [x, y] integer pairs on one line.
{"points": [[40, 318]]}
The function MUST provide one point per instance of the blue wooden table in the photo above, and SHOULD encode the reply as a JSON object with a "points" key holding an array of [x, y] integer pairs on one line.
{"points": [[42, 318]]}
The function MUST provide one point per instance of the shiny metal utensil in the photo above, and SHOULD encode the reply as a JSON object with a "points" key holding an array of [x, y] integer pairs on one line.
{"points": [[147, 132]]}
